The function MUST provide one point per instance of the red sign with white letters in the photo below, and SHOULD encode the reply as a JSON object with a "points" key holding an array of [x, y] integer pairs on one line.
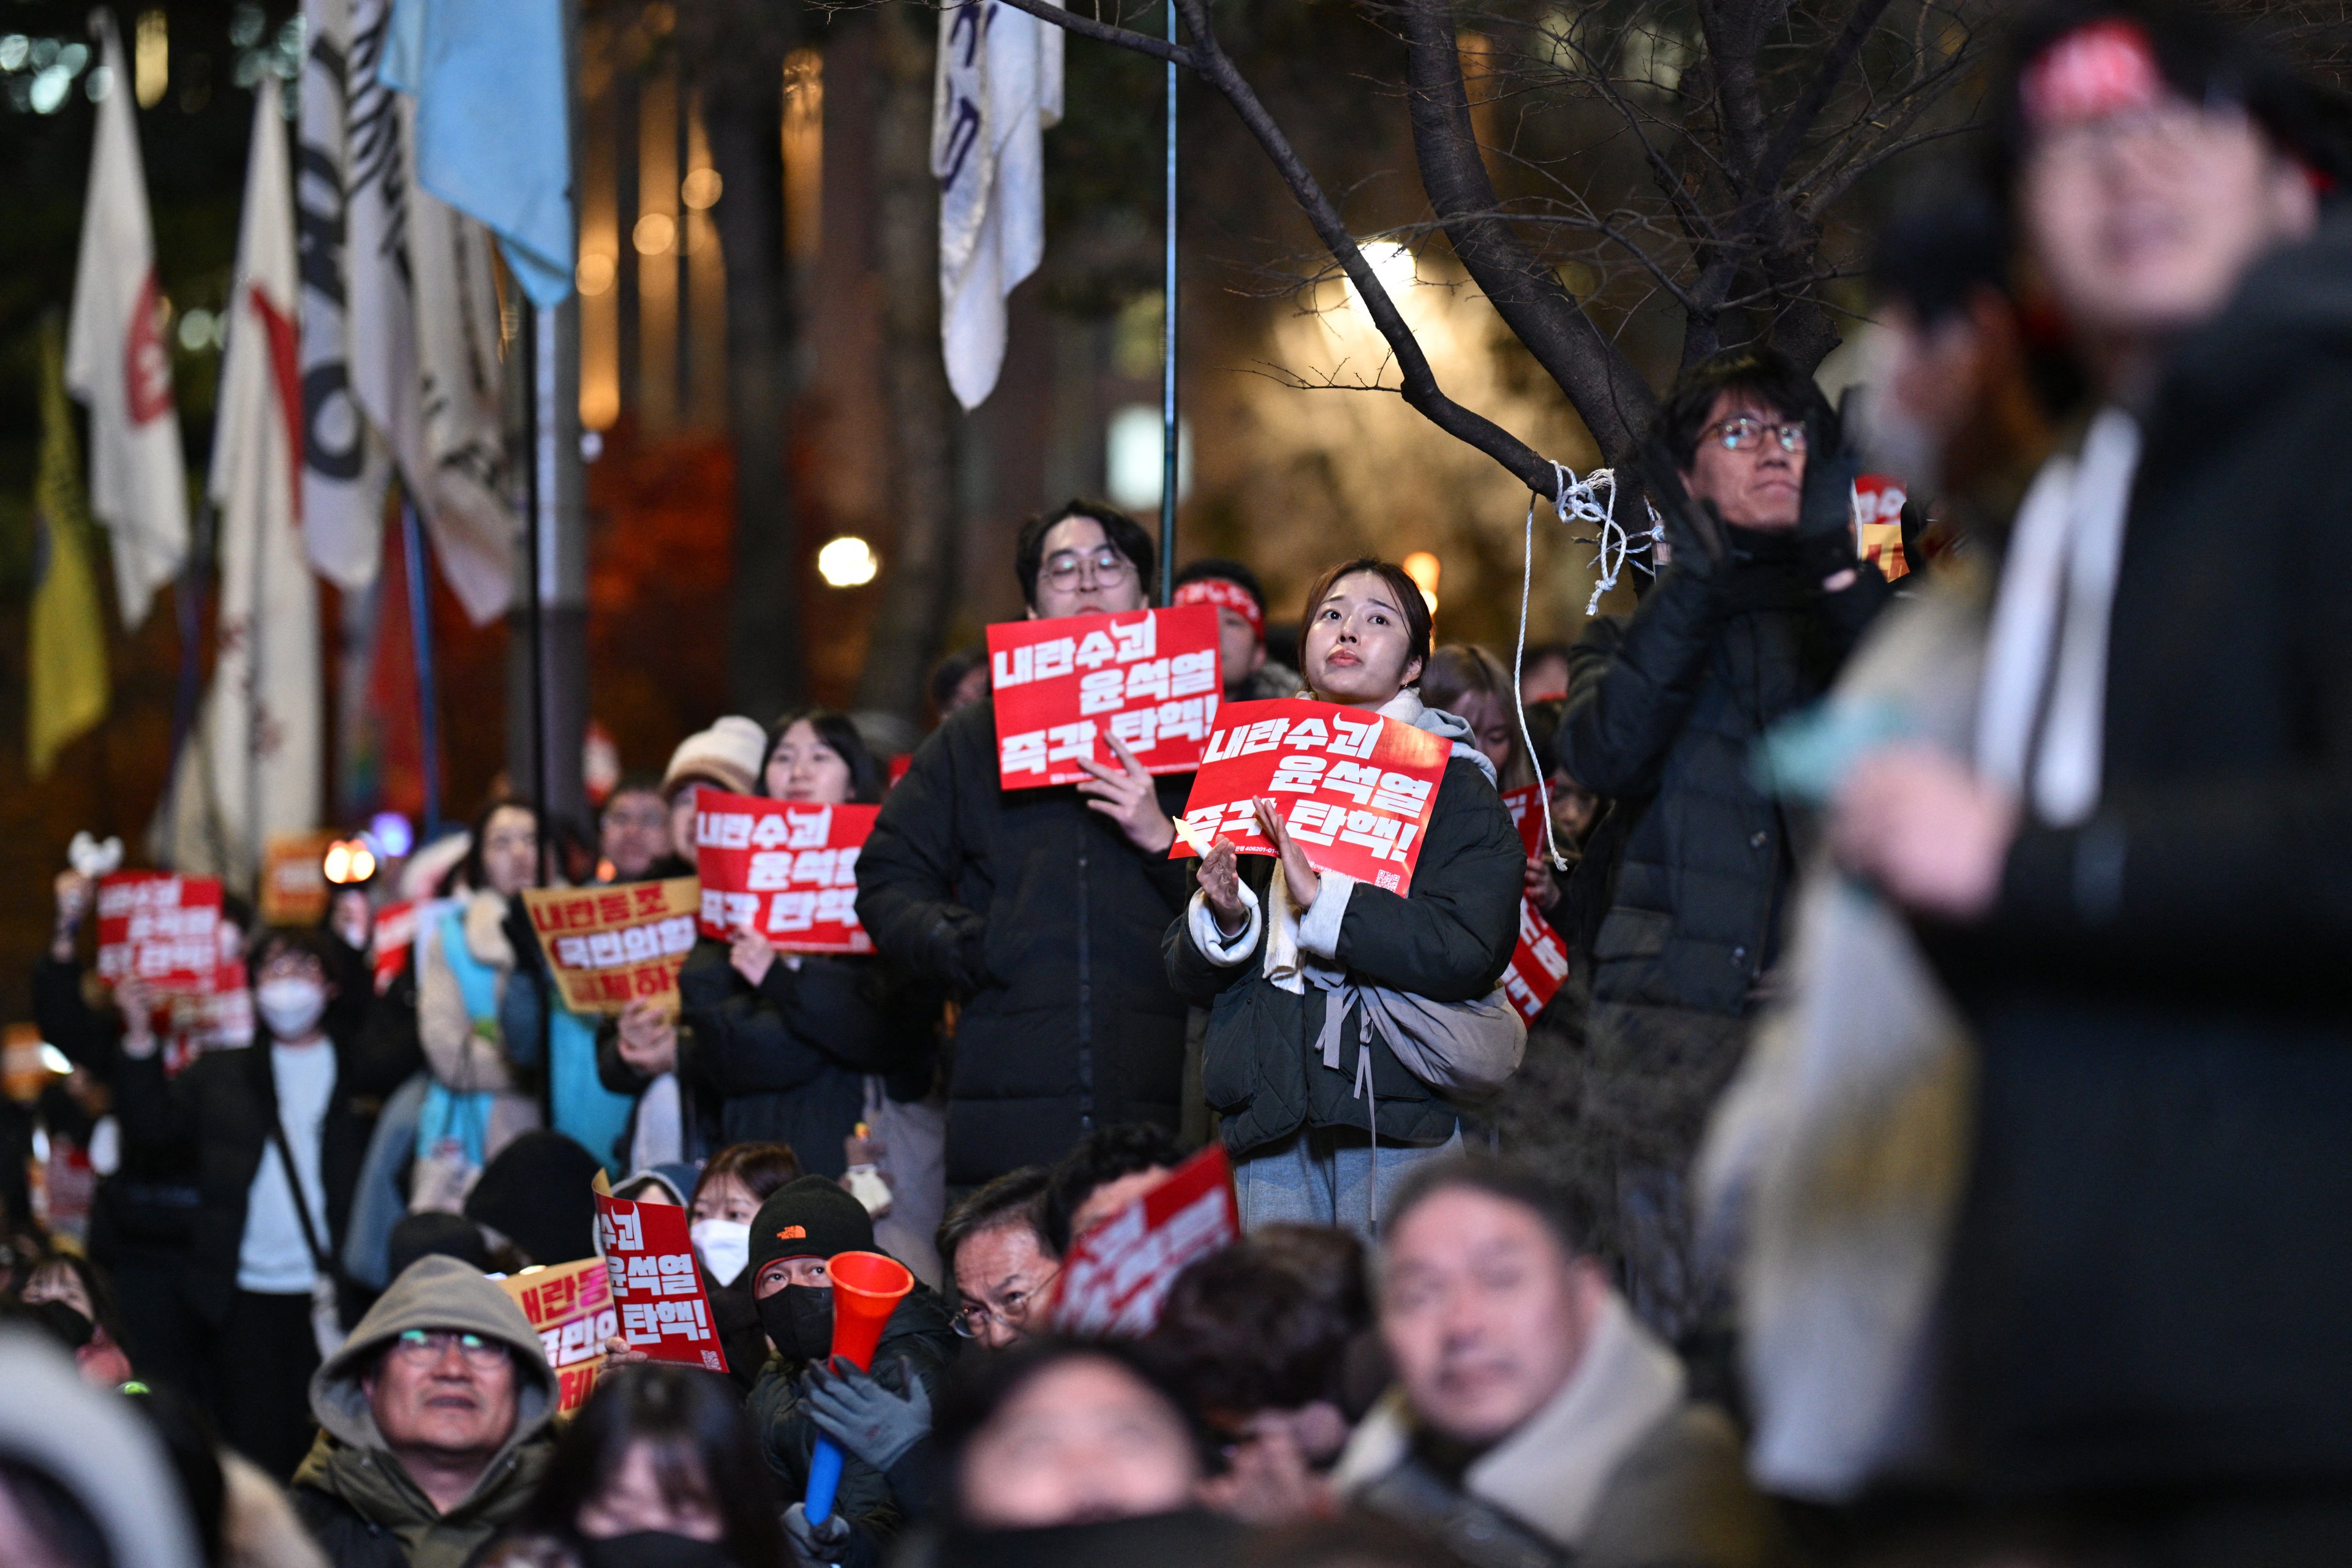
{"points": [[1117, 1275], [1356, 790], [787, 870], [1878, 523], [162, 929], [650, 1259], [1064, 688], [1540, 962]]}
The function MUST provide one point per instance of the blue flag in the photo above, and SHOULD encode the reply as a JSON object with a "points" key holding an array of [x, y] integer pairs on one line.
{"points": [[493, 124]]}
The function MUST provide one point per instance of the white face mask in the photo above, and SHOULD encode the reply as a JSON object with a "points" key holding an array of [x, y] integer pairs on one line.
{"points": [[725, 1246], [290, 1006]]}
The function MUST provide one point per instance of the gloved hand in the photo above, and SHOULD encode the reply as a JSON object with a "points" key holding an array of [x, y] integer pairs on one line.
{"points": [[820, 1542], [1694, 528], [865, 1418], [1825, 539]]}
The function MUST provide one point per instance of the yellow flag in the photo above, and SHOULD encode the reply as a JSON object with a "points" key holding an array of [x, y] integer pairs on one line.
{"points": [[67, 663]]}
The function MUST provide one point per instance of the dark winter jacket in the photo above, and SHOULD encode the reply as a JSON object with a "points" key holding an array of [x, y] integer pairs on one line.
{"points": [[1044, 923], [2146, 1278], [216, 1117], [149, 1200], [1447, 939], [918, 1335], [788, 1060], [1664, 710]]}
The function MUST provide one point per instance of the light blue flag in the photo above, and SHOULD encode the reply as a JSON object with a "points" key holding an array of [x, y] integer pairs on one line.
{"points": [[493, 124]]}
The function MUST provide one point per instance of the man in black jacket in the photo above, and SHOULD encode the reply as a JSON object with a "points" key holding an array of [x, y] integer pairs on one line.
{"points": [[263, 1235], [1760, 604], [2138, 892], [1040, 909]]}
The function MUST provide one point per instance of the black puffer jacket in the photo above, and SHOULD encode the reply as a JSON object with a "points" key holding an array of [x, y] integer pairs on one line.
{"points": [[1447, 939], [1664, 709], [1044, 923], [789, 1057]]}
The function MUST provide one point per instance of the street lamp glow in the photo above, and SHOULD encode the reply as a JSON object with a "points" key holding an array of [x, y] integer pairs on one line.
{"points": [[847, 561], [1392, 265]]}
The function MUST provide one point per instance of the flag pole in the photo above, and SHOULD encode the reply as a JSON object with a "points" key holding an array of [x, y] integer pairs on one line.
{"points": [[420, 636], [1168, 443]]}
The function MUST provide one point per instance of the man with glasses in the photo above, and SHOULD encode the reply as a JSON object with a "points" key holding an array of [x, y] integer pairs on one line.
{"points": [[1040, 909], [1760, 601], [435, 1424]]}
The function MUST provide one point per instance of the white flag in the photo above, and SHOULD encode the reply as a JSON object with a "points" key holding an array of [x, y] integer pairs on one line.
{"points": [[344, 461], [116, 360], [998, 88], [253, 771]]}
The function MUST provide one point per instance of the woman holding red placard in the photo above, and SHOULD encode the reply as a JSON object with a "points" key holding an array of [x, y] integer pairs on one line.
{"points": [[1321, 989], [789, 1039]]}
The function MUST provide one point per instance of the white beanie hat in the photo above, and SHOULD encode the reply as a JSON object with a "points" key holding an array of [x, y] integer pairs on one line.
{"points": [[728, 754]]}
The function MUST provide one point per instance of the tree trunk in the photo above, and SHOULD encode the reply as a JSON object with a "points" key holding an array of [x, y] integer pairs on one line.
{"points": [[739, 71], [919, 589]]}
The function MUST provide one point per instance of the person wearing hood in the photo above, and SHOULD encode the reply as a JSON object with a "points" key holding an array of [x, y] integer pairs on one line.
{"points": [[85, 1481], [1278, 953], [800, 1227], [435, 1423], [274, 1134], [1758, 603]]}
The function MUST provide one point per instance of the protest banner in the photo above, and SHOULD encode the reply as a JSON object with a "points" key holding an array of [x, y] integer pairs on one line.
{"points": [[1061, 687], [1878, 523], [609, 946], [570, 1306], [649, 1262], [1540, 962], [787, 870], [1116, 1276], [294, 878], [1526, 804], [390, 939], [163, 929], [1367, 787]]}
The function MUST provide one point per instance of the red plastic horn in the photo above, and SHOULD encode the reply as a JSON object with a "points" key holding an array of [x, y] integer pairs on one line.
{"points": [[866, 1289]]}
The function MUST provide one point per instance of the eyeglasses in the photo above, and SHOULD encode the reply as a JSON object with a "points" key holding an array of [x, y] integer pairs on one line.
{"points": [[429, 1345], [1738, 434], [971, 1321], [1107, 563]]}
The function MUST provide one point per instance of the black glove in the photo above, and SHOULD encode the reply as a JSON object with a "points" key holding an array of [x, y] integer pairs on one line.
{"points": [[1825, 540], [867, 1419], [1694, 528], [820, 1542]]}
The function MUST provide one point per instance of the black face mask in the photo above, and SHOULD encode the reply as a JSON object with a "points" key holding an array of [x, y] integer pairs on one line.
{"points": [[799, 1321], [653, 1549]]}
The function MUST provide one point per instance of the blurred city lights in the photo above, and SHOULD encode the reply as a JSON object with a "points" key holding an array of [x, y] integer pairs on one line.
{"points": [[56, 1060], [700, 189], [595, 273], [847, 561], [654, 234], [349, 861], [1392, 265], [1423, 568], [393, 836], [1134, 455], [151, 59]]}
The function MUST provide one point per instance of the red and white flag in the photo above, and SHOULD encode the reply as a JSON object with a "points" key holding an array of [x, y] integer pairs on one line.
{"points": [[253, 769], [117, 362]]}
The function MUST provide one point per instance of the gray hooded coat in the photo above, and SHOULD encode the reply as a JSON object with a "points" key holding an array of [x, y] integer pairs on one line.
{"points": [[355, 1496]]}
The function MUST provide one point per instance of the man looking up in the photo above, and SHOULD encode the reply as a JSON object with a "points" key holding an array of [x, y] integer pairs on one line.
{"points": [[1749, 621], [2134, 886], [1040, 909], [1233, 590]]}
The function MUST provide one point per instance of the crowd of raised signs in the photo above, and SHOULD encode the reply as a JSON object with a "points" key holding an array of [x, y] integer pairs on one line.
{"points": [[1846, 1062]]}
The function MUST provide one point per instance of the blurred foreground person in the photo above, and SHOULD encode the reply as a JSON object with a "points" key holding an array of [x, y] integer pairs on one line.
{"points": [[1535, 1419], [1070, 1456], [1343, 1017], [434, 1424], [994, 1246], [1040, 910], [1759, 603], [84, 1482], [659, 1469], [2135, 892]]}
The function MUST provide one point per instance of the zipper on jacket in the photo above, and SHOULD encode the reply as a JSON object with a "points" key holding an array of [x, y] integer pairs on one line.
{"points": [[1085, 1006]]}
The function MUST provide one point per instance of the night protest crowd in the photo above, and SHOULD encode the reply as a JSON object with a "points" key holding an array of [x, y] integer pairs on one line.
{"points": [[1936, 1155]]}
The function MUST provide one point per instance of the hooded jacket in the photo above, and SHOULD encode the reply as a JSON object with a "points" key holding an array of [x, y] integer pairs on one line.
{"points": [[355, 1496], [1044, 923], [1448, 940]]}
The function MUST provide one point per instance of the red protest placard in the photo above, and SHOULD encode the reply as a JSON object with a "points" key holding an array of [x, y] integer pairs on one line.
{"points": [[1358, 789], [1538, 964], [571, 1307], [1526, 808], [1149, 679], [609, 946], [650, 1259], [1878, 523], [392, 935], [161, 928], [788, 871], [1116, 1275]]}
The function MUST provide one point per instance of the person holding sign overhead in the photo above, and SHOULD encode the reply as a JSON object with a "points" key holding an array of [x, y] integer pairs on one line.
{"points": [[1040, 908], [1321, 987]]}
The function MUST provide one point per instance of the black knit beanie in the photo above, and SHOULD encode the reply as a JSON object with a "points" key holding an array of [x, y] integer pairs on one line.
{"points": [[811, 1217], [536, 1194]]}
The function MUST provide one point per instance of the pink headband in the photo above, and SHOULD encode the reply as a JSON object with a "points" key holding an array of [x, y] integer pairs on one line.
{"points": [[2101, 68], [1225, 596]]}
